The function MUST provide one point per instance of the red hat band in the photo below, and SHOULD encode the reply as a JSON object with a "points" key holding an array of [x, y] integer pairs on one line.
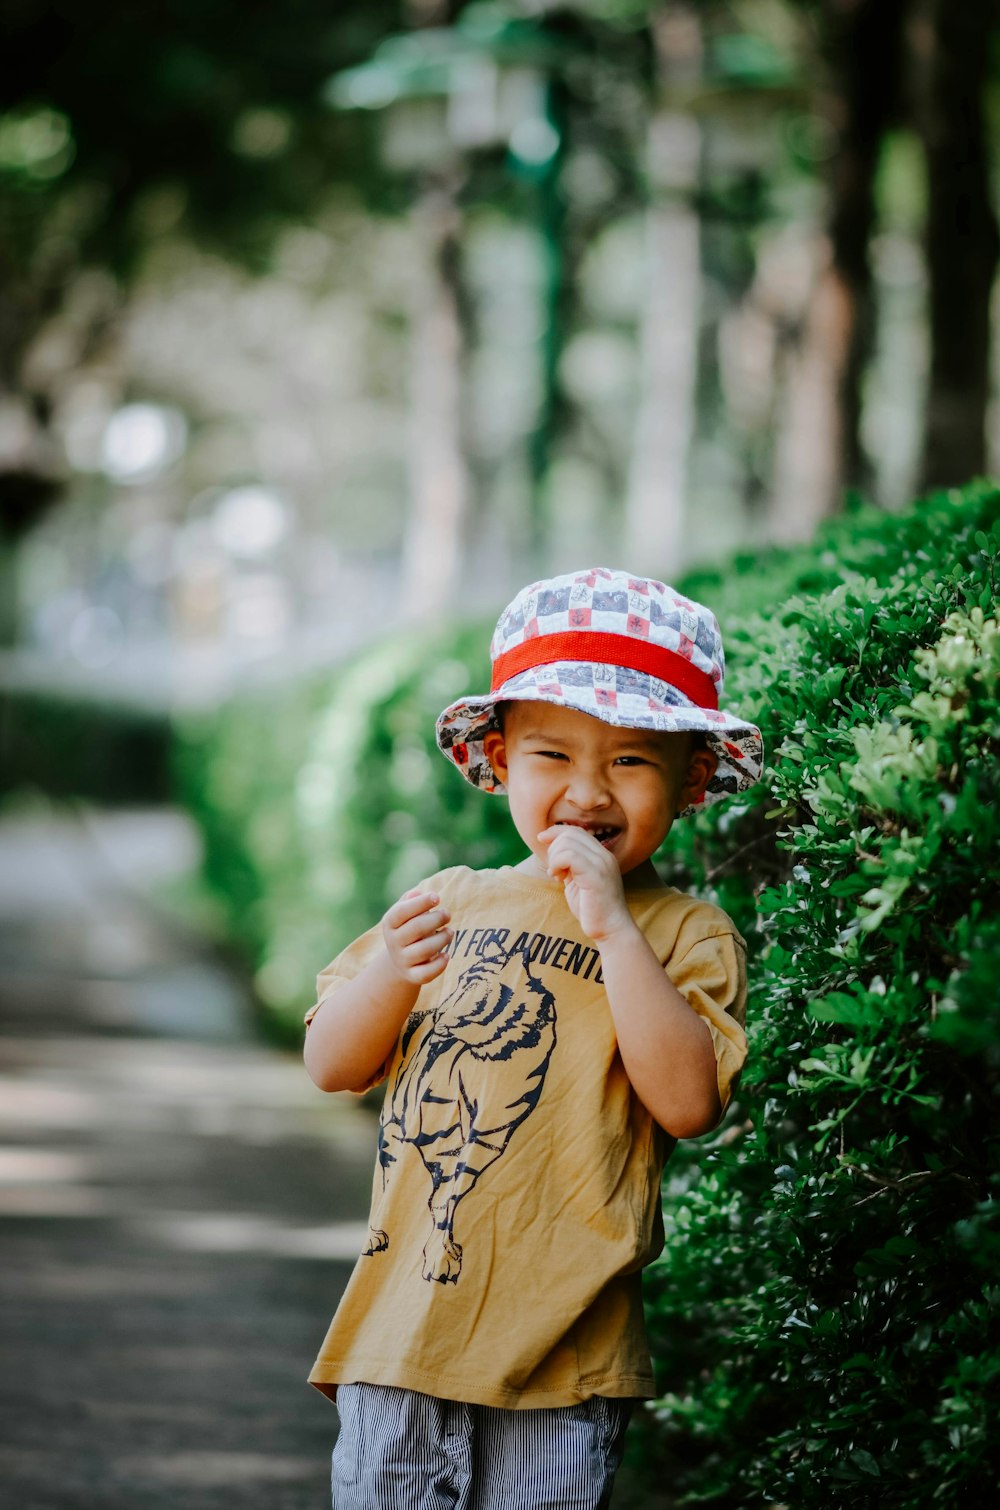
{"points": [[609, 650]]}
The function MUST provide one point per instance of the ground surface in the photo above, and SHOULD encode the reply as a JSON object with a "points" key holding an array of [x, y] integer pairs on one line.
{"points": [[179, 1207]]}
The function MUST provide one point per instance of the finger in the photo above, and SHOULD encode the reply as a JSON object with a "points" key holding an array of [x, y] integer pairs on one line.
{"points": [[427, 947], [570, 834], [421, 927], [419, 964], [428, 970], [410, 905], [570, 845], [557, 846]]}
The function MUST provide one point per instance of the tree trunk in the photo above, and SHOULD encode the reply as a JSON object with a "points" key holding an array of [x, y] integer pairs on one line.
{"points": [[552, 230], [30, 465], [654, 525], [810, 445], [670, 315], [819, 451], [438, 473], [950, 48], [864, 48]]}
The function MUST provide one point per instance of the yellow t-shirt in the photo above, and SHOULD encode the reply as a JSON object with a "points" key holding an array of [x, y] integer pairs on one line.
{"points": [[517, 1190]]}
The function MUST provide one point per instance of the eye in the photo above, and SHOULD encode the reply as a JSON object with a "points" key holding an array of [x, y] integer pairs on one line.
{"points": [[550, 754], [630, 760]]}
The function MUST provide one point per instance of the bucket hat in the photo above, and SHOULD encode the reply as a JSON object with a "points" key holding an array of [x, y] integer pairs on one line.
{"points": [[625, 649]]}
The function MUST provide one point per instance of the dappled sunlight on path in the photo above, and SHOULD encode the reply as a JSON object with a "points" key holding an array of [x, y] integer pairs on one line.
{"points": [[179, 1206]]}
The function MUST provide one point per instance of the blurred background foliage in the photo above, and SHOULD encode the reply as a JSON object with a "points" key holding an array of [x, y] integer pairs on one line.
{"points": [[325, 327], [305, 309]]}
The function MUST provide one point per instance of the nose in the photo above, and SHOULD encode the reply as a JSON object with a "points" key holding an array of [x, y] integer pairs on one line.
{"points": [[588, 790]]}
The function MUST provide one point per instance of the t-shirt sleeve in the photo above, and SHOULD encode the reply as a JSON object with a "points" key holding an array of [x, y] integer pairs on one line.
{"points": [[349, 963], [711, 975]]}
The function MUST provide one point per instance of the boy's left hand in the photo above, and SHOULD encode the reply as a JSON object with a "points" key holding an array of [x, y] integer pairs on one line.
{"points": [[591, 879]]}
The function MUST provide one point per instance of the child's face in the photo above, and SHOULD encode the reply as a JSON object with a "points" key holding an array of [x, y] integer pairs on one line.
{"points": [[625, 786]]}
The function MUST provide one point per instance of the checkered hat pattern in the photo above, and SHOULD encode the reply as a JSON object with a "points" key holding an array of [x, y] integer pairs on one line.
{"points": [[627, 650]]}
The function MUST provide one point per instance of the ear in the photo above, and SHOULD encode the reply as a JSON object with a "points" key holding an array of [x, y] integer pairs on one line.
{"points": [[701, 769], [495, 749]]}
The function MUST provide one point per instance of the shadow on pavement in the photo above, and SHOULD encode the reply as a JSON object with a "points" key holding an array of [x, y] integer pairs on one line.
{"points": [[179, 1206]]}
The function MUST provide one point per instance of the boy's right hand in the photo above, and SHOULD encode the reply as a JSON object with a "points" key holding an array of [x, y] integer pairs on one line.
{"points": [[417, 936]]}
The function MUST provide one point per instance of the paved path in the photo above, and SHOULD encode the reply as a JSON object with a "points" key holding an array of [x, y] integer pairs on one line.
{"points": [[179, 1206]]}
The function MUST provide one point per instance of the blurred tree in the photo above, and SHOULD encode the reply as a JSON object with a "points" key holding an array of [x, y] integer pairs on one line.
{"points": [[953, 52], [923, 64], [438, 471], [861, 96], [455, 104], [669, 321], [209, 121], [877, 69], [119, 124]]}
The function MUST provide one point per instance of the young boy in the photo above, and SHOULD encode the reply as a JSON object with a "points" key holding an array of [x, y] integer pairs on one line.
{"points": [[548, 1031]]}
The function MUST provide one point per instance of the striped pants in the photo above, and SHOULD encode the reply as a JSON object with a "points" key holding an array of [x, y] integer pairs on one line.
{"points": [[399, 1450]]}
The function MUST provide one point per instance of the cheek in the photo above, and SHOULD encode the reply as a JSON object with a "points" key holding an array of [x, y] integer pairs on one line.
{"points": [[655, 791], [661, 807], [531, 795]]}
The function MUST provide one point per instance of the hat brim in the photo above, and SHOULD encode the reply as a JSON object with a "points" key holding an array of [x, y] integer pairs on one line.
{"points": [[647, 704]]}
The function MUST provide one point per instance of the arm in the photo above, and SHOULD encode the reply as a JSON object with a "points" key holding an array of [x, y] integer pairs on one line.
{"points": [[666, 1047], [359, 1023]]}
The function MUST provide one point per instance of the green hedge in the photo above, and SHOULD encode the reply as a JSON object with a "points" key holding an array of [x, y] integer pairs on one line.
{"points": [[825, 1313], [824, 1317]]}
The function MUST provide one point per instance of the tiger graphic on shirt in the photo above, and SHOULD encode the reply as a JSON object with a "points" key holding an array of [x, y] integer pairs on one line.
{"points": [[449, 1103]]}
